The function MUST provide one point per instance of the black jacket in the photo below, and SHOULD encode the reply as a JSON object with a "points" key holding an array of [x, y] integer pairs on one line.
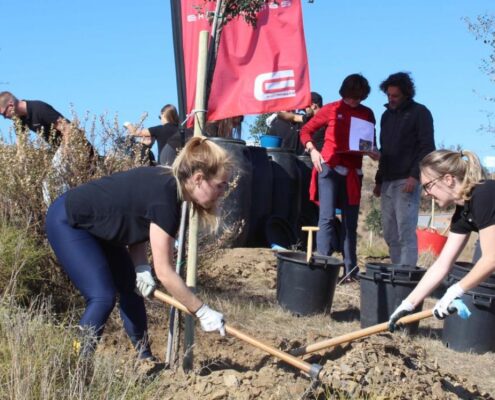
{"points": [[406, 136]]}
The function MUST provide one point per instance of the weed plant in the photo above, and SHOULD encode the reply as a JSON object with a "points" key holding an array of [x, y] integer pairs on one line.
{"points": [[29, 177], [37, 361]]}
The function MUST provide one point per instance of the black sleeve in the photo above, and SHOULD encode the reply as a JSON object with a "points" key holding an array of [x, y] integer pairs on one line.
{"points": [[426, 142], [157, 131], [166, 218], [166, 212], [483, 205], [45, 114], [458, 224]]}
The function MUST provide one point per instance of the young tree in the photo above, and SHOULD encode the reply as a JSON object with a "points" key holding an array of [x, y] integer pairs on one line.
{"points": [[258, 127]]}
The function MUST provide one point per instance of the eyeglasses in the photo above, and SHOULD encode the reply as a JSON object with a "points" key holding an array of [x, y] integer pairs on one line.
{"points": [[429, 185], [4, 112]]}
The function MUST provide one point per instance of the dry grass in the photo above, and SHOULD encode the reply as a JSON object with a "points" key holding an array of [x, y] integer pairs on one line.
{"points": [[37, 362]]}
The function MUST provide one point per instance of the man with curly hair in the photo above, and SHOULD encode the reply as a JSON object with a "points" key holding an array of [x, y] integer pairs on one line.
{"points": [[406, 136]]}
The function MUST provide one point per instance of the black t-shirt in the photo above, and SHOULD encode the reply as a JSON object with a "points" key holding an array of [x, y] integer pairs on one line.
{"points": [[289, 132], [41, 118], [162, 133], [119, 208], [174, 144], [478, 212], [169, 141]]}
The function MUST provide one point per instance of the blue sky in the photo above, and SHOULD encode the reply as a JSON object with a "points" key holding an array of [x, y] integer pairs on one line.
{"points": [[117, 57]]}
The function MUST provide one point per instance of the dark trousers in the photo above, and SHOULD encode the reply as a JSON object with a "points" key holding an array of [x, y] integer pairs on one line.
{"points": [[332, 192], [99, 271]]}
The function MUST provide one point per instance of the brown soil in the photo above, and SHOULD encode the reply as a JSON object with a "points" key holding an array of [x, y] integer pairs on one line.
{"points": [[242, 283]]}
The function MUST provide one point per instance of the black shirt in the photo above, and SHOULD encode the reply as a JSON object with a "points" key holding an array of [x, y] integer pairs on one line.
{"points": [[174, 144], [41, 118], [119, 208], [169, 141], [478, 212], [162, 133], [289, 132]]}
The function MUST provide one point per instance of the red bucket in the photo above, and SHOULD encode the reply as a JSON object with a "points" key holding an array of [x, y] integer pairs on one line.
{"points": [[430, 240]]}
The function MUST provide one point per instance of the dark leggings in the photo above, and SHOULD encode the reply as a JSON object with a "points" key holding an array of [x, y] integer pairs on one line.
{"points": [[99, 271]]}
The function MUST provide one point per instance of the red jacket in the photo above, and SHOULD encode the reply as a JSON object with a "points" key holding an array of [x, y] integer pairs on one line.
{"points": [[337, 117]]}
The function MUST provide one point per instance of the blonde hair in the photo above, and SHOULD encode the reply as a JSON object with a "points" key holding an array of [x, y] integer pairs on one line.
{"points": [[201, 154], [464, 165]]}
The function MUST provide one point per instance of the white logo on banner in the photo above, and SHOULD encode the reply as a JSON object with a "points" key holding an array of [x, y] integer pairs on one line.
{"points": [[274, 85]]}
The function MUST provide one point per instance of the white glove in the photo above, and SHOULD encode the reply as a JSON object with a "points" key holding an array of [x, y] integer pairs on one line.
{"points": [[404, 309], [443, 307], [145, 284], [270, 120], [210, 320]]}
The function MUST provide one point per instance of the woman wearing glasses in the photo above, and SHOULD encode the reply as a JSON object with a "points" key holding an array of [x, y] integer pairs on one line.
{"points": [[99, 233], [456, 178]]}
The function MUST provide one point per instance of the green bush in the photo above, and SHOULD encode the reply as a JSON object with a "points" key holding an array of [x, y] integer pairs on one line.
{"points": [[22, 262]]}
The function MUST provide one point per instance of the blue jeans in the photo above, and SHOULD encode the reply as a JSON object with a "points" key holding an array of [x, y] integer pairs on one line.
{"points": [[99, 271], [399, 221], [332, 193]]}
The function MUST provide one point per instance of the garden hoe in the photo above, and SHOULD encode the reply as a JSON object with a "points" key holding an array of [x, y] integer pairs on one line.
{"points": [[349, 337], [313, 370]]}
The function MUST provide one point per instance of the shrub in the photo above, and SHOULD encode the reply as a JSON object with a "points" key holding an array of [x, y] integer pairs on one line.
{"points": [[29, 180], [22, 263]]}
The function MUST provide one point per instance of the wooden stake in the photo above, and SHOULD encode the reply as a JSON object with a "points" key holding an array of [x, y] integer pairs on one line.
{"points": [[192, 255]]}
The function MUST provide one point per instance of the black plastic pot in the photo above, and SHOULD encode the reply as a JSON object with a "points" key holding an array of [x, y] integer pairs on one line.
{"points": [[475, 334], [261, 195], [306, 288], [286, 201], [383, 287], [235, 208]]}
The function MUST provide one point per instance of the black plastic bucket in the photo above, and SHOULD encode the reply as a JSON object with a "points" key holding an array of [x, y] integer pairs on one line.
{"points": [[234, 209], [383, 287], [306, 288], [286, 200], [261, 196], [475, 334]]}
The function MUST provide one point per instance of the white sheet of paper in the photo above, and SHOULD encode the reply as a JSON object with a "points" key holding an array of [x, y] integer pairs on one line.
{"points": [[361, 135]]}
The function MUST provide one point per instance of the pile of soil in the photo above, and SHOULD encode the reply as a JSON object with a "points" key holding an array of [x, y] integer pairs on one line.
{"points": [[378, 366], [383, 366]]}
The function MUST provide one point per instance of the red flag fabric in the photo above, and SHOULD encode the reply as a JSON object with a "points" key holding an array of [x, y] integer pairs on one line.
{"points": [[258, 70]]}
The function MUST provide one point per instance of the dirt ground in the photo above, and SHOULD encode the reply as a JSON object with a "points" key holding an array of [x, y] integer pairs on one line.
{"points": [[241, 283]]}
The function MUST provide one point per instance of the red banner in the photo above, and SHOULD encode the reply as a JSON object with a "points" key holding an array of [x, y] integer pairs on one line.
{"points": [[258, 70]]}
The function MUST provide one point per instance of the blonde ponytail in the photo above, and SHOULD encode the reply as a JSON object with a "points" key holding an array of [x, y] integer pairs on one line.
{"points": [[464, 165]]}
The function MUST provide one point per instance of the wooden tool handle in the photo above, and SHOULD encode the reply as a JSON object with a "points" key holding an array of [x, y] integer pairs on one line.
{"points": [[349, 337], [310, 228], [313, 370]]}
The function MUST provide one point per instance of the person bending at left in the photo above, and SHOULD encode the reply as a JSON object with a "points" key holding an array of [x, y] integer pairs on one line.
{"points": [[99, 233]]}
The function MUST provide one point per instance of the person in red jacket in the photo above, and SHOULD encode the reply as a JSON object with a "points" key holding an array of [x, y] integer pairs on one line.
{"points": [[337, 171]]}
